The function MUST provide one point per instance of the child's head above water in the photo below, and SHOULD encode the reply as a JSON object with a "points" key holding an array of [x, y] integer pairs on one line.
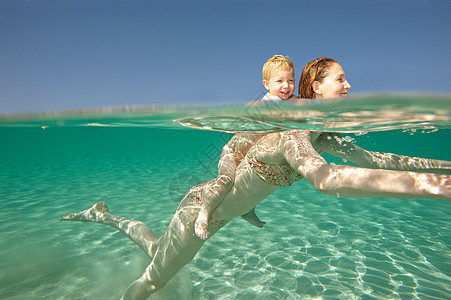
{"points": [[278, 76]]}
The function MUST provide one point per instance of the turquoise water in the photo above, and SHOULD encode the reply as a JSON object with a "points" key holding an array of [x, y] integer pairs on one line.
{"points": [[313, 245]]}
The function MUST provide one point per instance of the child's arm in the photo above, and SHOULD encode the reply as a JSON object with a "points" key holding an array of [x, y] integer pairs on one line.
{"points": [[231, 156]]}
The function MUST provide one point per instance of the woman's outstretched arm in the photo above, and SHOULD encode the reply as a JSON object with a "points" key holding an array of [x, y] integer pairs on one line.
{"points": [[336, 145], [359, 182]]}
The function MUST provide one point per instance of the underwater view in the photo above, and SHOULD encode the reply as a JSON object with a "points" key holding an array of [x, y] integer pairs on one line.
{"points": [[142, 160]]}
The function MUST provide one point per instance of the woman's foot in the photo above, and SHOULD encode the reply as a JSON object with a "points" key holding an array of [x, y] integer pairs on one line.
{"points": [[252, 218], [95, 214]]}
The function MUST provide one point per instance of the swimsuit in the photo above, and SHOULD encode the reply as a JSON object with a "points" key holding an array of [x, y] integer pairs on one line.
{"points": [[278, 175], [268, 98], [274, 174]]}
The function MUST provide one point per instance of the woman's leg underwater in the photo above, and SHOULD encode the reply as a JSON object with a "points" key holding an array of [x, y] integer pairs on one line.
{"points": [[136, 231], [175, 248], [169, 253]]}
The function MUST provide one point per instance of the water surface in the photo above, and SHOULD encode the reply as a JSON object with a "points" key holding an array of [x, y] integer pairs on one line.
{"points": [[140, 163]]}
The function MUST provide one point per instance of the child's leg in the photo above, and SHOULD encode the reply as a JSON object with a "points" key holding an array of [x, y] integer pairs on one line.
{"points": [[252, 218], [213, 193], [136, 231]]}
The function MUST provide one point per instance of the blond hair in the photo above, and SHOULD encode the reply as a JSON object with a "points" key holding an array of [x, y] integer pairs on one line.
{"points": [[276, 63]]}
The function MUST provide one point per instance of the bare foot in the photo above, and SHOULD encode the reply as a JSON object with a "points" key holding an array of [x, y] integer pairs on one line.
{"points": [[201, 228], [95, 214], [252, 218]]}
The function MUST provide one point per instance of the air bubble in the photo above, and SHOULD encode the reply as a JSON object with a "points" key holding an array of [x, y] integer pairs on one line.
{"points": [[332, 165]]}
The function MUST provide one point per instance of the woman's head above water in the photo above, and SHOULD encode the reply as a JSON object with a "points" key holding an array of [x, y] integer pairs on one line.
{"points": [[323, 78]]}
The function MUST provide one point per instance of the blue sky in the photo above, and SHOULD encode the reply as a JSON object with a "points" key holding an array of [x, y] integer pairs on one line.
{"points": [[68, 54]]}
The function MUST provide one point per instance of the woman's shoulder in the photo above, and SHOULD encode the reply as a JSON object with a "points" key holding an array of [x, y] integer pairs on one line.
{"points": [[270, 148], [295, 134], [279, 138]]}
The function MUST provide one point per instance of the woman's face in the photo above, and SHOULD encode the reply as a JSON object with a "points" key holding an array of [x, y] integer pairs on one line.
{"points": [[334, 85]]}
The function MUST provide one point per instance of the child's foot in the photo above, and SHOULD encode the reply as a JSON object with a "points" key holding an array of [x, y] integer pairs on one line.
{"points": [[201, 228], [95, 214], [252, 218]]}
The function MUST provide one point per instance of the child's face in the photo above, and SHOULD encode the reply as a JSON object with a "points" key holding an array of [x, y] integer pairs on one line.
{"points": [[280, 84]]}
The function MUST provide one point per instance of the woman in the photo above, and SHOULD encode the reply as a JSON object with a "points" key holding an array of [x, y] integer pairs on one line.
{"points": [[277, 159], [273, 161], [323, 78]]}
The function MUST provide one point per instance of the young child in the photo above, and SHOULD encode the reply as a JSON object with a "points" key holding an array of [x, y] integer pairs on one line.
{"points": [[278, 79]]}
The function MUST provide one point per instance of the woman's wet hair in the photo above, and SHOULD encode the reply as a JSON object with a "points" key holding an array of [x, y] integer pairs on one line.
{"points": [[316, 70]]}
